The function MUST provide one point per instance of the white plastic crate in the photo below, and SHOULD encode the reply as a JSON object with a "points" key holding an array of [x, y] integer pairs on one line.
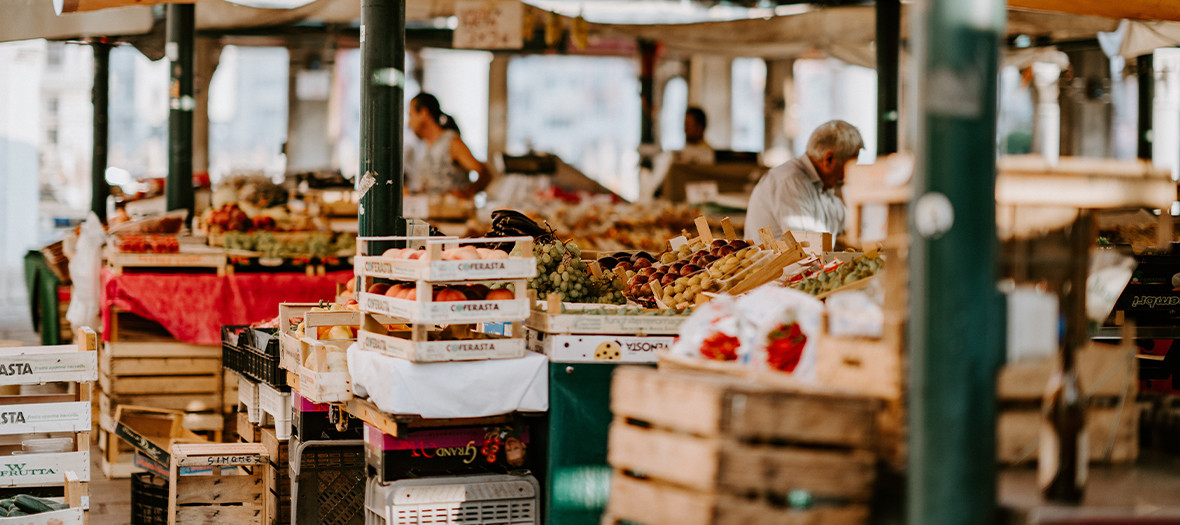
{"points": [[497, 499]]}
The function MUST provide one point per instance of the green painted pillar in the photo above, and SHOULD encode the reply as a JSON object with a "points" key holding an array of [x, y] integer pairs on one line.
{"points": [[1145, 67], [647, 91], [957, 327], [383, 62], [98, 157], [888, 41], [179, 48]]}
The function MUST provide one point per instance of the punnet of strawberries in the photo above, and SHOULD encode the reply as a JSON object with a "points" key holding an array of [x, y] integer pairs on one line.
{"points": [[784, 347], [720, 347]]}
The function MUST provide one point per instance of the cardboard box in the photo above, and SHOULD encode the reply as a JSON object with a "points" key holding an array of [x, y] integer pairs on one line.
{"points": [[448, 451]]}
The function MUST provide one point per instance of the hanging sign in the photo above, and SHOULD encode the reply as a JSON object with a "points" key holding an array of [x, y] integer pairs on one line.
{"points": [[488, 24]]}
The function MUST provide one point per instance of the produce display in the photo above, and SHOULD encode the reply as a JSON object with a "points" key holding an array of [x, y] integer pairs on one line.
{"points": [[560, 270], [25, 505], [137, 243], [681, 273], [467, 292], [464, 253], [291, 245], [626, 310], [836, 274], [608, 226]]}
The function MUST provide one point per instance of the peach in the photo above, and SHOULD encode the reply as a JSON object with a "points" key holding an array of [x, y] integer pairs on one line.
{"points": [[378, 288], [500, 294]]}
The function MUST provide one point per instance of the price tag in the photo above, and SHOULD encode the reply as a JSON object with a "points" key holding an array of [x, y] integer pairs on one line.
{"points": [[488, 24], [416, 206], [700, 192]]}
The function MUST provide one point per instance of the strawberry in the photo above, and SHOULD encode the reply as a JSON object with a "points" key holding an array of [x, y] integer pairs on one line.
{"points": [[720, 347]]}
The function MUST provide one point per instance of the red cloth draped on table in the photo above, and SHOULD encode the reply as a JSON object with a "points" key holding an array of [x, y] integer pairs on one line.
{"points": [[192, 307]]}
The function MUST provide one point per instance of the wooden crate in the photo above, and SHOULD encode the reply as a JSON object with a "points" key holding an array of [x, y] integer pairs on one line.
{"points": [[117, 461], [192, 257], [714, 450], [277, 507], [225, 484], [1108, 375], [159, 368]]}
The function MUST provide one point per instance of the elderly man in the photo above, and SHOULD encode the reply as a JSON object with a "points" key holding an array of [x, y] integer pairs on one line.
{"points": [[800, 195]]}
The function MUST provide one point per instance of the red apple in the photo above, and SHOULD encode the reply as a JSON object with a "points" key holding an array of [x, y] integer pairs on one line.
{"points": [[642, 263], [500, 294], [378, 288], [623, 266]]}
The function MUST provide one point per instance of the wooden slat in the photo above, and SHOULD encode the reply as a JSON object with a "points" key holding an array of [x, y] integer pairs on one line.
{"points": [[185, 402], [218, 515], [653, 503], [1103, 371], [711, 405], [122, 350], [219, 490], [160, 366], [276, 449], [218, 454], [1018, 434], [1140, 9], [712, 464], [160, 384]]}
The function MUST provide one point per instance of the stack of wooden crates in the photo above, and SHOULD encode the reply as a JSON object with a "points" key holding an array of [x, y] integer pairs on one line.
{"points": [[159, 373], [47, 419], [692, 448], [276, 471]]}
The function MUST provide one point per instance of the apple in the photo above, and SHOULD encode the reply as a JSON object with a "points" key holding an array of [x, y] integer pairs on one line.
{"points": [[350, 285], [646, 271], [392, 253], [379, 288], [639, 279], [642, 263], [675, 268], [624, 266], [669, 279], [449, 294], [725, 250], [500, 294], [739, 244], [689, 269], [717, 243]]}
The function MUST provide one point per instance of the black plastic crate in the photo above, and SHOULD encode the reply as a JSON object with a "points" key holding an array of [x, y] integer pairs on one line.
{"points": [[149, 499], [327, 482], [253, 352]]}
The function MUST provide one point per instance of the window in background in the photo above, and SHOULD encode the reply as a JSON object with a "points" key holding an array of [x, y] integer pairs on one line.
{"points": [[748, 89], [675, 103], [459, 79], [827, 89], [138, 114], [248, 112], [583, 109], [1014, 122], [347, 98]]}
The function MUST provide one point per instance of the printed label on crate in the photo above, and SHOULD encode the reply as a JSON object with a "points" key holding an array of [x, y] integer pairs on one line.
{"points": [[43, 469], [325, 387], [142, 444], [446, 311], [302, 404], [447, 451], [221, 460], [67, 365], [146, 463], [599, 348], [45, 417], [433, 351], [465, 270]]}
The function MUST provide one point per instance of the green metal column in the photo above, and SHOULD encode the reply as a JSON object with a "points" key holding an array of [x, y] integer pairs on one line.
{"points": [[1145, 66], [957, 329], [179, 49], [888, 42], [647, 91], [383, 62], [98, 158]]}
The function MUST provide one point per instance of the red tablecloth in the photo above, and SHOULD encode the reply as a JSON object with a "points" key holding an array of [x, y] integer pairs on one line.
{"points": [[192, 307]]}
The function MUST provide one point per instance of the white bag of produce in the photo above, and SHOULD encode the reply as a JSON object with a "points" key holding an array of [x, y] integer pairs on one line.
{"points": [[711, 332], [855, 313], [86, 272], [778, 328]]}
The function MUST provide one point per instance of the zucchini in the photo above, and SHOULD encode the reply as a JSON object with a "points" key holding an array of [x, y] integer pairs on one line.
{"points": [[3, 512], [31, 505], [17, 512]]}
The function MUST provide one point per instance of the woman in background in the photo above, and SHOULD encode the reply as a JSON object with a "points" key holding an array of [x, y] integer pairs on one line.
{"points": [[445, 164]]}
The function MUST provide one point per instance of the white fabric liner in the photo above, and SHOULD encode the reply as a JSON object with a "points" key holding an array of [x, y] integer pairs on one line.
{"points": [[456, 389]]}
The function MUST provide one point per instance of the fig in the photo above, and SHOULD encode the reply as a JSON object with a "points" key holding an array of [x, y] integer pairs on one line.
{"points": [[642, 263], [717, 243], [639, 280], [725, 250], [645, 271], [624, 266], [739, 244], [669, 279], [689, 269], [647, 256]]}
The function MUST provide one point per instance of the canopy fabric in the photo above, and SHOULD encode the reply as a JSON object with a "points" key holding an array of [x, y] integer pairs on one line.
{"points": [[28, 19], [1142, 37]]}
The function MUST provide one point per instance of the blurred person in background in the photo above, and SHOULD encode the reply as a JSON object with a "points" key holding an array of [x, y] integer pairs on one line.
{"points": [[696, 150], [445, 163], [802, 194]]}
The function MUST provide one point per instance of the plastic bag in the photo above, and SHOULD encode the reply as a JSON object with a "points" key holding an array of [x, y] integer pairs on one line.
{"points": [[1110, 271], [711, 332], [86, 272], [778, 328]]}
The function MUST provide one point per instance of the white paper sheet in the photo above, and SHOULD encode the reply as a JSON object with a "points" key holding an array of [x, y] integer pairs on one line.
{"points": [[454, 389]]}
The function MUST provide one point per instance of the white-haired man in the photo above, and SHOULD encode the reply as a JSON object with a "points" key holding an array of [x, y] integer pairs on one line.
{"points": [[800, 195]]}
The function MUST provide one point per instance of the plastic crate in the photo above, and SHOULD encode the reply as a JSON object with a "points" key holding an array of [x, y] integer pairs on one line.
{"points": [[327, 482], [499, 499], [253, 352], [149, 499]]}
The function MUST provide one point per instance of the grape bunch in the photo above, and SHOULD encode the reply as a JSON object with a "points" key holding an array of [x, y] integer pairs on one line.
{"points": [[560, 270], [608, 289]]}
